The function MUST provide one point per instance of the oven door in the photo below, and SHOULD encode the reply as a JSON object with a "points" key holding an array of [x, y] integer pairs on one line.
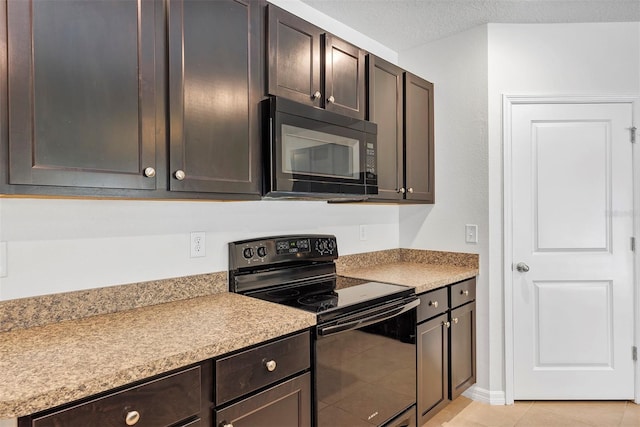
{"points": [[316, 153], [365, 367]]}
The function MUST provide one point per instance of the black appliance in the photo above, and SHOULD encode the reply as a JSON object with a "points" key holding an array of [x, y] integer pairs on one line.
{"points": [[314, 153], [365, 340]]}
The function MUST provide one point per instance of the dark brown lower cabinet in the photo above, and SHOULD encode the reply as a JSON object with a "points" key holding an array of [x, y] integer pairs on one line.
{"points": [[462, 371], [286, 404], [433, 366]]}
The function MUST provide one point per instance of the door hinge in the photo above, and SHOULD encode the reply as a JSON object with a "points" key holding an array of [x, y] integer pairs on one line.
{"points": [[633, 244], [634, 353], [633, 135]]}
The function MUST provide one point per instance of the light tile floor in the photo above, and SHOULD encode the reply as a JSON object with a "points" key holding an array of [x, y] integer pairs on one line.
{"points": [[463, 412]]}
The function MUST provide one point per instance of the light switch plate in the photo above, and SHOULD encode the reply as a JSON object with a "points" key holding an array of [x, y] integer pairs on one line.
{"points": [[471, 233]]}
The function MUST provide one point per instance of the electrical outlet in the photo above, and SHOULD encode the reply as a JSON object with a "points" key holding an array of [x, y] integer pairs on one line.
{"points": [[363, 232], [198, 244], [471, 233]]}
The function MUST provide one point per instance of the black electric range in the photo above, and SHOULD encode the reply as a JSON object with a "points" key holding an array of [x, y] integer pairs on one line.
{"points": [[368, 324]]}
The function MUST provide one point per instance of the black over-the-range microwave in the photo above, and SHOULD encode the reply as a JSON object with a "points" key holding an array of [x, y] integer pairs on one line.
{"points": [[313, 153]]}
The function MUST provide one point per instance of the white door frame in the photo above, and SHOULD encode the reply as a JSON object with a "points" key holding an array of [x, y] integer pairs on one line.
{"points": [[508, 101]]}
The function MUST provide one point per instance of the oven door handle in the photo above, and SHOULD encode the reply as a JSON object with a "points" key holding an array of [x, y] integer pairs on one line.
{"points": [[369, 320]]}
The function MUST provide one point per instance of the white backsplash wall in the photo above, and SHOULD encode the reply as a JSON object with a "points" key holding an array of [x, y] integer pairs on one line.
{"points": [[59, 245]]}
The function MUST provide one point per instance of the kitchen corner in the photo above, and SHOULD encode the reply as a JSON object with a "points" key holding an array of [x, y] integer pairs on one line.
{"points": [[79, 347]]}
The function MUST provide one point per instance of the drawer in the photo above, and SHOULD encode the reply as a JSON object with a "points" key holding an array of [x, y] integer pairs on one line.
{"points": [[250, 370], [432, 303], [463, 292], [162, 402]]}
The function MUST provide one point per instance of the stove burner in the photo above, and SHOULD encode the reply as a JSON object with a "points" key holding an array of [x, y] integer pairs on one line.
{"points": [[320, 301]]}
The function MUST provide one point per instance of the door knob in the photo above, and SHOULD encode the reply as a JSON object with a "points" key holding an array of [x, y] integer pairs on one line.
{"points": [[522, 267]]}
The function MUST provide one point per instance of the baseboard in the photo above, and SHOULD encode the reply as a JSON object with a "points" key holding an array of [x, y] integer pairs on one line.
{"points": [[485, 396]]}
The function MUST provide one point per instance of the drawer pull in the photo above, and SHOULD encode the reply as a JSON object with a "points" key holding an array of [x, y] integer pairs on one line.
{"points": [[465, 293], [434, 304], [132, 418], [271, 365]]}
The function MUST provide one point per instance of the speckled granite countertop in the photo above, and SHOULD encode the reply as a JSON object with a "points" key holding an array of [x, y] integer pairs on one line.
{"points": [[45, 366], [424, 270]]}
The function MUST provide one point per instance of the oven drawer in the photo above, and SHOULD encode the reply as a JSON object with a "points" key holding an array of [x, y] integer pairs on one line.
{"points": [[250, 370], [432, 303], [463, 292], [162, 402]]}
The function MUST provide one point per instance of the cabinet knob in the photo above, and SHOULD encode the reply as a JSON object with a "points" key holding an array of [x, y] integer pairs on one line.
{"points": [[149, 172], [331, 99], [226, 424], [402, 190], [446, 324], [465, 293], [180, 175], [410, 190], [316, 95], [271, 365], [434, 303], [455, 320], [132, 418]]}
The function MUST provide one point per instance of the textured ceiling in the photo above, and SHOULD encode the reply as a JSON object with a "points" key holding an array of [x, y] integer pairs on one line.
{"points": [[403, 24]]}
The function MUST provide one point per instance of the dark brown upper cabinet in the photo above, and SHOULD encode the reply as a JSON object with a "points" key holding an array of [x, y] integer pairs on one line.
{"points": [[81, 79], [314, 68], [214, 92], [402, 106]]}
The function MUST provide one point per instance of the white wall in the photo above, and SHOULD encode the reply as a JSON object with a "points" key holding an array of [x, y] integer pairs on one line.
{"points": [[471, 71], [64, 245], [457, 66], [55, 245]]}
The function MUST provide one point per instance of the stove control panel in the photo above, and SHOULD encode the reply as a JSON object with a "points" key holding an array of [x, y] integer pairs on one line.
{"points": [[262, 252]]}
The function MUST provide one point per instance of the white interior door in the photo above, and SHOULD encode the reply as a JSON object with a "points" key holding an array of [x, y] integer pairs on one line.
{"points": [[572, 206]]}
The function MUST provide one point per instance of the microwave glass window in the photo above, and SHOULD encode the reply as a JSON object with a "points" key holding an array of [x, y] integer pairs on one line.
{"points": [[310, 152]]}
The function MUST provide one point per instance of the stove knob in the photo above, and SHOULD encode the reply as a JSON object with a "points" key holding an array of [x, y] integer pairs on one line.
{"points": [[248, 253], [332, 246], [262, 251]]}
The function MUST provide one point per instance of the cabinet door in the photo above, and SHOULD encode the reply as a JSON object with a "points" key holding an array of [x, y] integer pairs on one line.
{"points": [[463, 349], [433, 355], [385, 108], [287, 404], [419, 139], [344, 78], [214, 95], [294, 57], [81, 78]]}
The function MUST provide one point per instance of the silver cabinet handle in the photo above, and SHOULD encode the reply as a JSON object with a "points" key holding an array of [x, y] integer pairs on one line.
{"points": [[331, 99], [149, 172], [446, 324], [271, 365], [225, 424], [434, 303], [410, 190], [402, 190], [180, 175], [465, 293], [522, 267], [316, 95], [455, 320], [132, 418]]}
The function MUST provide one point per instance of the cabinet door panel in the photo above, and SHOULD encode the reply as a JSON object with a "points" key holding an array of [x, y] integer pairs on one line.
{"points": [[433, 367], [385, 109], [82, 93], [344, 78], [419, 139], [213, 95], [463, 349], [287, 404], [294, 57]]}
